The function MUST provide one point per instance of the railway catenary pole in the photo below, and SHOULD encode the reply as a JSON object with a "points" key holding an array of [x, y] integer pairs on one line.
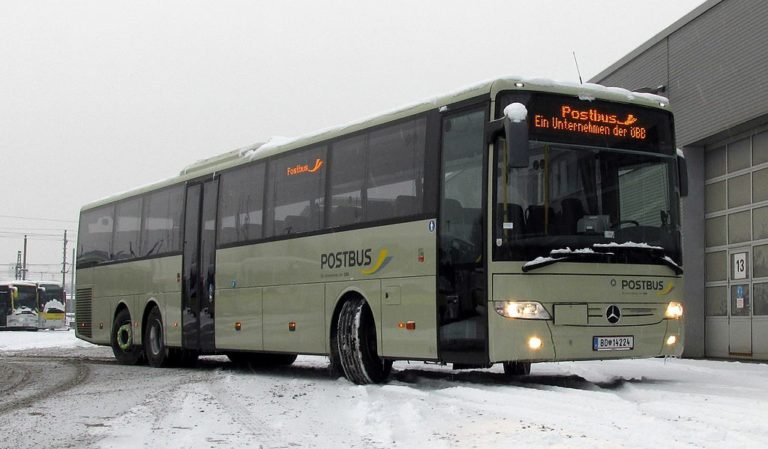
{"points": [[64, 263], [24, 262]]}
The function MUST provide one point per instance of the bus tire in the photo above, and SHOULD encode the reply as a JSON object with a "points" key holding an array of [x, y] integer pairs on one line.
{"points": [[356, 340], [122, 340], [154, 341], [515, 369], [335, 370]]}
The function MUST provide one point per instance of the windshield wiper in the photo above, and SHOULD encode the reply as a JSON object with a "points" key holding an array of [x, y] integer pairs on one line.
{"points": [[567, 255], [628, 252]]}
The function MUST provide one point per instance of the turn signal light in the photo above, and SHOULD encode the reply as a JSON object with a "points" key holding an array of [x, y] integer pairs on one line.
{"points": [[671, 340], [238, 326], [292, 326]]}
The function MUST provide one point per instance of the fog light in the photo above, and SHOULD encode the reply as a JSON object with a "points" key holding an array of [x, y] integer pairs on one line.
{"points": [[671, 340], [534, 343]]}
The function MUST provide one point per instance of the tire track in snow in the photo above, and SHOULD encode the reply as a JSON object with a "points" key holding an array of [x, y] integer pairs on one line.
{"points": [[143, 425], [240, 413], [78, 376]]}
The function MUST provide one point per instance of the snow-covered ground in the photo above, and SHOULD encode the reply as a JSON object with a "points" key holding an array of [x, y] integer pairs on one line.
{"points": [[634, 404]]}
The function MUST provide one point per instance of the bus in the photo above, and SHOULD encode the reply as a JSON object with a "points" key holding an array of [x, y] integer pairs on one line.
{"points": [[51, 305], [18, 305], [512, 222]]}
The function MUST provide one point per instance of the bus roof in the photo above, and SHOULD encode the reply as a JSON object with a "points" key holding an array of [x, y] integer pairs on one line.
{"points": [[19, 283], [491, 88]]}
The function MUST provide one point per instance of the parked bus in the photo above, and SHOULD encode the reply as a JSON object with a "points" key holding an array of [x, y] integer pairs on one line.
{"points": [[18, 305], [515, 221], [51, 304]]}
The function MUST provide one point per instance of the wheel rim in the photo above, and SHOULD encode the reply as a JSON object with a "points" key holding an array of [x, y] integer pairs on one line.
{"points": [[155, 338], [124, 336]]}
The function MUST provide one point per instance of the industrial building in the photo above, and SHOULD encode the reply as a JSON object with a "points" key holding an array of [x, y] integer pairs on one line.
{"points": [[713, 66]]}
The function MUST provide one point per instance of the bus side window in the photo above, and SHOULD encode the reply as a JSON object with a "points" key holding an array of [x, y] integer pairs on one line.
{"points": [[95, 235], [296, 192], [396, 169], [241, 205]]}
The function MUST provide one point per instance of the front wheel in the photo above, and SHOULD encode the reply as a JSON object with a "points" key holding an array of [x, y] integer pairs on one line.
{"points": [[515, 369], [122, 340], [356, 345], [154, 342]]}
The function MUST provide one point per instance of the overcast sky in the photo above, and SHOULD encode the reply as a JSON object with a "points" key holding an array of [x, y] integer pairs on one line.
{"points": [[98, 97]]}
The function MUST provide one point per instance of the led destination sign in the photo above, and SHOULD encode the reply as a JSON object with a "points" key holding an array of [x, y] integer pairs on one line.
{"points": [[592, 121], [570, 120]]}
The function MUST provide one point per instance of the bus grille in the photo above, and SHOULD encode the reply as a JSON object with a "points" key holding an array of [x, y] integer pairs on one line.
{"points": [[84, 312]]}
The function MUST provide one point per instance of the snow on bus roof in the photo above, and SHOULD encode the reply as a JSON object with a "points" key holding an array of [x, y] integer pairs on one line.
{"points": [[276, 144], [587, 91]]}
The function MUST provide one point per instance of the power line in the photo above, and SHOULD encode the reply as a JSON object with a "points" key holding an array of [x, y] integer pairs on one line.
{"points": [[3, 229], [37, 234], [38, 218]]}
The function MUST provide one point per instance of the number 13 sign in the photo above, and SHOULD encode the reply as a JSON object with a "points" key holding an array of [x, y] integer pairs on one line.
{"points": [[739, 266]]}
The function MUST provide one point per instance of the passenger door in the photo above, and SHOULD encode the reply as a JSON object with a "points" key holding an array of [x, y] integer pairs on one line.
{"points": [[462, 298], [199, 267]]}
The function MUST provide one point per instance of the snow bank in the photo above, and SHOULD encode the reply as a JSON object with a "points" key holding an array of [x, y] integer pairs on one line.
{"points": [[22, 340]]}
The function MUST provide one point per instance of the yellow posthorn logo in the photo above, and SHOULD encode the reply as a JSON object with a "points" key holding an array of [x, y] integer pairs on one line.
{"points": [[381, 262], [668, 288], [304, 168]]}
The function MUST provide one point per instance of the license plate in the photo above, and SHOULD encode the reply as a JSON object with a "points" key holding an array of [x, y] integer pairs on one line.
{"points": [[617, 343]]}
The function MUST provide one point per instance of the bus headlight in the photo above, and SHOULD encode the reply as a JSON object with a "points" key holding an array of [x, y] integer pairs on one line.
{"points": [[528, 310], [674, 311]]}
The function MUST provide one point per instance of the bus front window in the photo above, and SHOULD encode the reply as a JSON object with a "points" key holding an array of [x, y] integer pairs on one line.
{"points": [[573, 197], [27, 299]]}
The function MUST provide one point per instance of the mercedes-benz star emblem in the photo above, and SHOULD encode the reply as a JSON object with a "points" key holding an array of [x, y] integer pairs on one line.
{"points": [[613, 314]]}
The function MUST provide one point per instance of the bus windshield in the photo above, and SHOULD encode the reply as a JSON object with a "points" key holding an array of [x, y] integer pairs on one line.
{"points": [[52, 299], [27, 298], [572, 197]]}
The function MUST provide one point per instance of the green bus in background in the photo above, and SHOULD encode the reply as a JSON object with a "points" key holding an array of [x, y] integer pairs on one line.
{"points": [[515, 221]]}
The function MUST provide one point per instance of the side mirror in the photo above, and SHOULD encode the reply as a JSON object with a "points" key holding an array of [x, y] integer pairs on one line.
{"points": [[682, 173], [516, 130], [514, 127]]}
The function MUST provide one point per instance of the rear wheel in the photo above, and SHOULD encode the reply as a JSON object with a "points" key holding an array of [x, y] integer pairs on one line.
{"points": [[356, 344], [122, 340], [154, 341], [515, 369]]}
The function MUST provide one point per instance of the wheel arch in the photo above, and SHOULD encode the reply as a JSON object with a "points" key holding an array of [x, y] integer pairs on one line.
{"points": [[343, 297], [121, 305], [148, 306]]}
